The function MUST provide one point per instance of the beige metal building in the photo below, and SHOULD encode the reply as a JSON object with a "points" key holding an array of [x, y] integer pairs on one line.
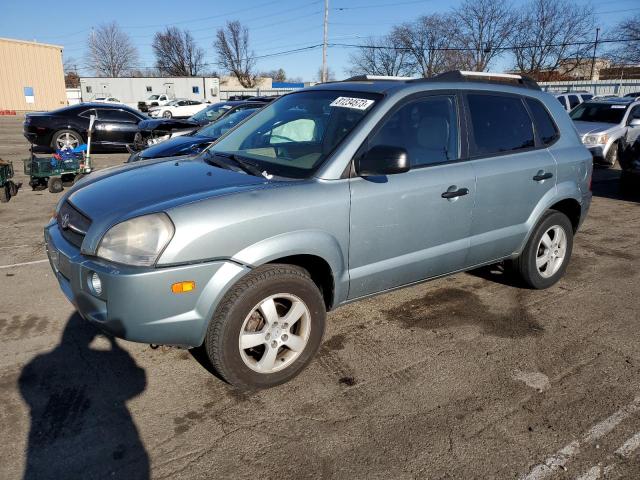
{"points": [[31, 76]]}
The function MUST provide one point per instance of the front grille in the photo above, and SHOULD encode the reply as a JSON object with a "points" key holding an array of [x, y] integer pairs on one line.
{"points": [[73, 224]]}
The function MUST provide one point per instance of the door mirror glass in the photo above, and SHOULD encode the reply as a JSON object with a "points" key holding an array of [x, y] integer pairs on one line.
{"points": [[635, 122], [383, 160]]}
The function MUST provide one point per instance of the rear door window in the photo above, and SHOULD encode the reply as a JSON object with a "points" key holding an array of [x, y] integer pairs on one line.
{"points": [[574, 101], [499, 124], [427, 128], [112, 115], [545, 127]]}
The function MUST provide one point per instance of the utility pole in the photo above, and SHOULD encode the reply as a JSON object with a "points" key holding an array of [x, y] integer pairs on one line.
{"points": [[593, 59], [324, 42]]}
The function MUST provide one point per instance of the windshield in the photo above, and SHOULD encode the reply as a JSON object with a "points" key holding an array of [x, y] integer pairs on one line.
{"points": [[294, 135], [154, 97], [210, 113], [219, 127], [599, 112]]}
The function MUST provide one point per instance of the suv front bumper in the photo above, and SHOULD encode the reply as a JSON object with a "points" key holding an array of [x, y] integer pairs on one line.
{"points": [[136, 303]]}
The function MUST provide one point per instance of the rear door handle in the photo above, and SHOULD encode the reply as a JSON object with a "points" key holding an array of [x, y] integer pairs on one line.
{"points": [[449, 194], [542, 175]]}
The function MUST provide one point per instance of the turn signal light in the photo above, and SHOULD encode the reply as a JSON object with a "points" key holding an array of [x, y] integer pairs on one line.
{"points": [[183, 287]]}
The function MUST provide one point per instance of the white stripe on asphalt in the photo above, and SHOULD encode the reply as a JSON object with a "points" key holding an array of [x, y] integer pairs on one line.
{"points": [[629, 446], [624, 451], [23, 264], [565, 454]]}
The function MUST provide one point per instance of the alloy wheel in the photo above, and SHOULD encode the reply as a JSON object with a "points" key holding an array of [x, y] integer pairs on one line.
{"points": [[275, 333], [551, 251]]}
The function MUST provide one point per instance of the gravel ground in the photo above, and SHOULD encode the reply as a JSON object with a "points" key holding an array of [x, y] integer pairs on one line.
{"points": [[464, 377]]}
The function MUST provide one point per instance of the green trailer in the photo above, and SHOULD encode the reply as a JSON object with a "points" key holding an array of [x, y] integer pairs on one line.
{"points": [[8, 188], [54, 173]]}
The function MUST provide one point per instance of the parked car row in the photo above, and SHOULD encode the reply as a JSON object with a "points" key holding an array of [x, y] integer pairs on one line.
{"points": [[117, 128]]}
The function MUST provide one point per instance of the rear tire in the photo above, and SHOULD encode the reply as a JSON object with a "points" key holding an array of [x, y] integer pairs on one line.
{"points": [[279, 313], [167, 114], [55, 184], [69, 138], [546, 255], [13, 188]]}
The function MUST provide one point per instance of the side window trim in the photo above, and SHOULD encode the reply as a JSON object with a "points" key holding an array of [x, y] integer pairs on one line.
{"points": [[462, 143], [539, 142], [469, 129]]}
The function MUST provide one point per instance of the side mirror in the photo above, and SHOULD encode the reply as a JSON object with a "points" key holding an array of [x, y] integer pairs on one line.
{"points": [[383, 160], [635, 122]]}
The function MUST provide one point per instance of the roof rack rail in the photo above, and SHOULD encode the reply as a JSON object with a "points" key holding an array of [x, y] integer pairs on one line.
{"points": [[364, 78], [506, 78]]}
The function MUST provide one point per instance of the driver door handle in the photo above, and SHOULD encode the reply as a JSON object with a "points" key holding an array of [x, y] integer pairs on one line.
{"points": [[541, 175], [455, 193]]}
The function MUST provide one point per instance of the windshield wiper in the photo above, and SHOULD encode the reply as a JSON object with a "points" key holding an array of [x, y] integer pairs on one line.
{"points": [[248, 167]]}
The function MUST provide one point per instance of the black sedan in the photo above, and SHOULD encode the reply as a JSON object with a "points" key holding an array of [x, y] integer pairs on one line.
{"points": [[156, 130], [115, 127], [194, 142]]}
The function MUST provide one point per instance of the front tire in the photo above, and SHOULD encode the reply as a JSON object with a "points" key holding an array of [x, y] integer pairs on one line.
{"points": [[167, 114], [5, 193], [546, 255], [612, 155], [267, 328]]}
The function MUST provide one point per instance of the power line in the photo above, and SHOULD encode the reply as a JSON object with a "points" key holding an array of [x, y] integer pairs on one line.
{"points": [[471, 49]]}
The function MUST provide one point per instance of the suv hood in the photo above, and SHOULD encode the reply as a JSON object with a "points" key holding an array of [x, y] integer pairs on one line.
{"points": [[116, 194], [586, 128]]}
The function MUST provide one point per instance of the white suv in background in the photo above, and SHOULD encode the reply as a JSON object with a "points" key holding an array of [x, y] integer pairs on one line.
{"points": [[570, 100]]}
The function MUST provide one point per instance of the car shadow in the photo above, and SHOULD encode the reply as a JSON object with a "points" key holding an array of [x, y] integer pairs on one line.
{"points": [[498, 273], [80, 424], [606, 183]]}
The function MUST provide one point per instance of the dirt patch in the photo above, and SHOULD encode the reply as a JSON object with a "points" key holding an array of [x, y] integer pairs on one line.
{"points": [[335, 343], [451, 307]]}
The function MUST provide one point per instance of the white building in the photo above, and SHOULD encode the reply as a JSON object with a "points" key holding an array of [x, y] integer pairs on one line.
{"points": [[131, 90]]}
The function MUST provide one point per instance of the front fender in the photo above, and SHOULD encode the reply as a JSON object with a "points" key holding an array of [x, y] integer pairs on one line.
{"points": [[302, 242]]}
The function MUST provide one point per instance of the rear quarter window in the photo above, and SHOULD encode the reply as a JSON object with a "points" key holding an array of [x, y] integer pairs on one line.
{"points": [[499, 124], [545, 126]]}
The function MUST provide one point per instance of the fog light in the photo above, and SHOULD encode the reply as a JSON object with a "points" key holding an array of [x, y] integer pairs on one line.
{"points": [[183, 287], [96, 283]]}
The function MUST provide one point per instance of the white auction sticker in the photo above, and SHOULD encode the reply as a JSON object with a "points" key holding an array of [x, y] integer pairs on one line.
{"points": [[351, 102]]}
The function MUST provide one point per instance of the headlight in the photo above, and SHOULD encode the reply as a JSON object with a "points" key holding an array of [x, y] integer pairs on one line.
{"points": [[138, 241], [595, 139], [154, 140]]}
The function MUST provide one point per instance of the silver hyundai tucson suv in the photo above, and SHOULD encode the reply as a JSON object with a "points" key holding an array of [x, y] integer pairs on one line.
{"points": [[328, 195]]}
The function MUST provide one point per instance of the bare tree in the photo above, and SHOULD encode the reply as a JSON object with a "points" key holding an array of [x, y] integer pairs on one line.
{"points": [[177, 54], [111, 52], [484, 27], [278, 75], [553, 34], [331, 76], [628, 52], [427, 42], [380, 57], [234, 55]]}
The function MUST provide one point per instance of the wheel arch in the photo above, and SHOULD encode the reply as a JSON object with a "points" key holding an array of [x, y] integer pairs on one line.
{"points": [[317, 252]]}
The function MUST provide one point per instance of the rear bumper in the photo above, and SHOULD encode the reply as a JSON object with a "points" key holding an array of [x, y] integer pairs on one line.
{"points": [[585, 205], [137, 303]]}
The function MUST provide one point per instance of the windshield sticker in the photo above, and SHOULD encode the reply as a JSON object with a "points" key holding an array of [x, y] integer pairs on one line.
{"points": [[351, 102], [618, 106]]}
